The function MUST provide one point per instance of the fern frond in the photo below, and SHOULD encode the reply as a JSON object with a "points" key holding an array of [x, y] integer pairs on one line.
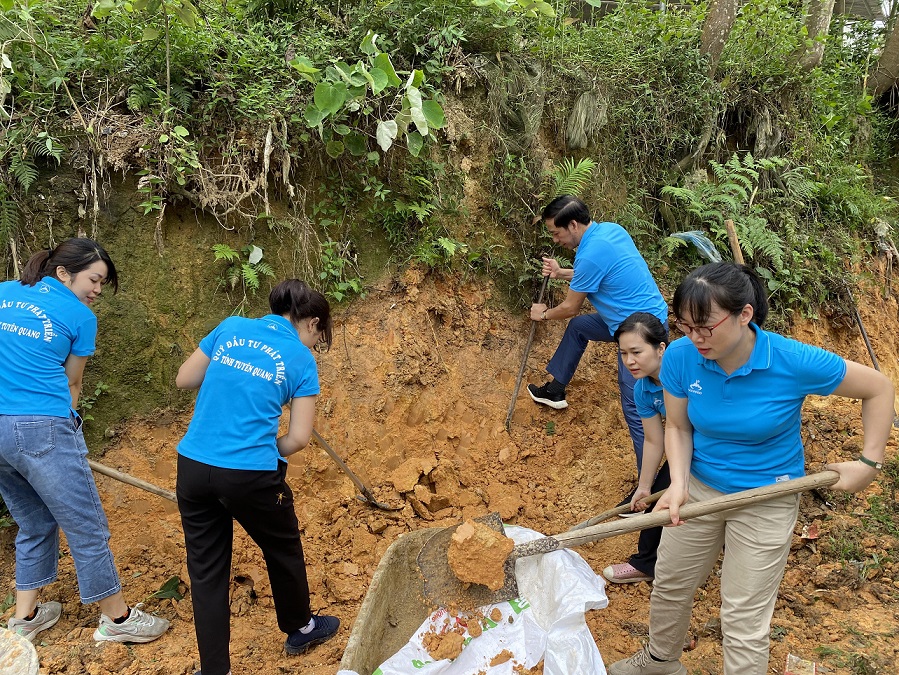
{"points": [[225, 252], [250, 277], [23, 170], [265, 268], [571, 178]]}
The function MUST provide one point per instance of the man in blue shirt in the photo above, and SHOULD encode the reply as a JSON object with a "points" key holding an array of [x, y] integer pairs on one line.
{"points": [[608, 271]]}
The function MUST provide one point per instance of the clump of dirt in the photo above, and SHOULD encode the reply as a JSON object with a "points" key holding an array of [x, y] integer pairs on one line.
{"points": [[477, 554], [414, 397], [445, 645], [502, 657]]}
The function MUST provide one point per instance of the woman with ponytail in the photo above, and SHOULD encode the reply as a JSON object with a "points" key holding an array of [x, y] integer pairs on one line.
{"points": [[733, 397], [47, 332], [232, 464]]}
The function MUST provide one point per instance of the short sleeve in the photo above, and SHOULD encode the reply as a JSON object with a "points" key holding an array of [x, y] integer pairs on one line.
{"points": [[307, 382], [818, 370], [673, 368], [85, 340], [587, 276]]}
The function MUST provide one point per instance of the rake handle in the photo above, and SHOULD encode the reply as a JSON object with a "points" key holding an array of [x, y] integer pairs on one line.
{"points": [[131, 480], [656, 519]]}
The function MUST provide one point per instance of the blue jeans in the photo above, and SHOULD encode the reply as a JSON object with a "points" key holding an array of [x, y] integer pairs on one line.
{"points": [[582, 330], [47, 484]]}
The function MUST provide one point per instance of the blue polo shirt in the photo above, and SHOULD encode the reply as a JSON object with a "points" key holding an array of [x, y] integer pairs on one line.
{"points": [[649, 398], [746, 425], [40, 326], [610, 270], [256, 366]]}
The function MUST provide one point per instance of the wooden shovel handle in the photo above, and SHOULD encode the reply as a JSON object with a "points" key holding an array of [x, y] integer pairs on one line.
{"points": [[734, 242], [694, 510], [131, 480]]}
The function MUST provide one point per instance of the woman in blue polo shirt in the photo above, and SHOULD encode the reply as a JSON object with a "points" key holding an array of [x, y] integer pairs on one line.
{"points": [[642, 340], [47, 333], [232, 466], [734, 393]]}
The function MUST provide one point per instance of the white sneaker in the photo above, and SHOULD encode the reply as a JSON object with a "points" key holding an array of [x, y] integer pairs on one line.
{"points": [[48, 614], [138, 627]]}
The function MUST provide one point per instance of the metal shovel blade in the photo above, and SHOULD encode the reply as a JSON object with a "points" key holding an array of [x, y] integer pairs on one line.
{"points": [[442, 587]]}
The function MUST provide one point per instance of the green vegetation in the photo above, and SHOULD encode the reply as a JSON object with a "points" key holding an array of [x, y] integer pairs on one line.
{"points": [[343, 125]]}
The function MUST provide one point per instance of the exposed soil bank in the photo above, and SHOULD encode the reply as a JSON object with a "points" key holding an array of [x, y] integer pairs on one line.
{"points": [[415, 392]]}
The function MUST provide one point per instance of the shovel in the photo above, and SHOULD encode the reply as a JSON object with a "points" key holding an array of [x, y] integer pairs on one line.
{"points": [[524, 360], [442, 588], [367, 496]]}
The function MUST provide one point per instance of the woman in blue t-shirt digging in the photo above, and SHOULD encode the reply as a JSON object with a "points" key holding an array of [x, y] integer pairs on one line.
{"points": [[47, 332], [642, 340], [734, 394], [231, 463]]}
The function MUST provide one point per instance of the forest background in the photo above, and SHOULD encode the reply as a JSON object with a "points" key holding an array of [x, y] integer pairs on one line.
{"points": [[214, 147]]}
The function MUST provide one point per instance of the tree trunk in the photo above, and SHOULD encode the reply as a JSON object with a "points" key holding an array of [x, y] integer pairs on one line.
{"points": [[886, 72], [716, 30], [817, 23]]}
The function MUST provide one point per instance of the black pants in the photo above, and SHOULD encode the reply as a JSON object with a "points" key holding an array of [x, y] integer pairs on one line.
{"points": [[262, 502], [648, 544]]}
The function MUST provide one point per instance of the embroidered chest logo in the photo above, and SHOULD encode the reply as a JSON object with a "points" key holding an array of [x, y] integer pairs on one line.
{"points": [[696, 388]]}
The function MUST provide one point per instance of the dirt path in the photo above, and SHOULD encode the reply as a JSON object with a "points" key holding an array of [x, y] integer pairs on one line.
{"points": [[415, 393]]}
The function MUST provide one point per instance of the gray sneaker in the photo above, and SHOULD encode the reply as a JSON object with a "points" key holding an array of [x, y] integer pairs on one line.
{"points": [[48, 614], [642, 663], [138, 627]]}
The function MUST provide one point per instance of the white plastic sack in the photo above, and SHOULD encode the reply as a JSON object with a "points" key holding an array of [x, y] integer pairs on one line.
{"points": [[545, 624]]}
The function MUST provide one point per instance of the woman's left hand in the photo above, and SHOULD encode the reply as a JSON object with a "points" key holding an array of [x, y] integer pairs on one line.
{"points": [[854, 476]]}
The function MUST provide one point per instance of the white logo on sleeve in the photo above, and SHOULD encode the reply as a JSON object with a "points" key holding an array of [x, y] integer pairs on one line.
{"points": [[696, 388]]}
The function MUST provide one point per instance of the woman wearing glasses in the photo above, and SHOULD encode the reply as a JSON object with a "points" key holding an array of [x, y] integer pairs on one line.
{"points": [[733, 394], [231, 463]]}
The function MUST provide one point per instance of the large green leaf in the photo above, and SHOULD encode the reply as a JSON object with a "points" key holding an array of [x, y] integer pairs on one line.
{"points": [[415, 143], [305, 68], [355, 143], [329, 97], [102, 9], [334, 149], [382, 61], [313, 115], [379, 80], [434, 114], [368, 45]]}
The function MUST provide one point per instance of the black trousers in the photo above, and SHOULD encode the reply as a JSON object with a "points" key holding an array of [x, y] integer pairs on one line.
{"points": [[648, 543], [209, 498]]}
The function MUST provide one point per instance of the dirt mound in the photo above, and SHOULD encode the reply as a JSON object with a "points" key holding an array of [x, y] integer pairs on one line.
{"points": [[415, 392]]}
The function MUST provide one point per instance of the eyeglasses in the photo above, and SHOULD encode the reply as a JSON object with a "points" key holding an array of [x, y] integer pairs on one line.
{"points": [[701, 331]]}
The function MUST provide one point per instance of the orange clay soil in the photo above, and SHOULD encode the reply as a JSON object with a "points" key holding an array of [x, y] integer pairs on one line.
{"points": [[477, 554], [414, 396]]}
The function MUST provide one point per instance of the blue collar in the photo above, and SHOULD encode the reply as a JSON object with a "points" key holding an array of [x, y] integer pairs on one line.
{"points": [[759, 359], [280, 323], [56, 283]]}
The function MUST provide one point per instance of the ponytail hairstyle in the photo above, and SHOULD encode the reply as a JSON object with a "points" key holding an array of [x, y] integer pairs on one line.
{"points": [[726, 284], [75, 255], [297, 301], [566, 208], [647, 326]]}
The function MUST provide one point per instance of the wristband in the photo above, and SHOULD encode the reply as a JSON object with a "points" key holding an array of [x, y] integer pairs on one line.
{"points": [[870, 462], [543, 315]]}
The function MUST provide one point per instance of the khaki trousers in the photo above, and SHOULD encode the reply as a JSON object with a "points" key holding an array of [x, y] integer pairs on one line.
{"points": [[756, 541]]}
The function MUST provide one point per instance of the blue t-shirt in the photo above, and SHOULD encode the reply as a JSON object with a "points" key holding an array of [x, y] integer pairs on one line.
{"points": [[746, 424], [40, 326], [649, 397], [610, 270], [256, 366]]}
